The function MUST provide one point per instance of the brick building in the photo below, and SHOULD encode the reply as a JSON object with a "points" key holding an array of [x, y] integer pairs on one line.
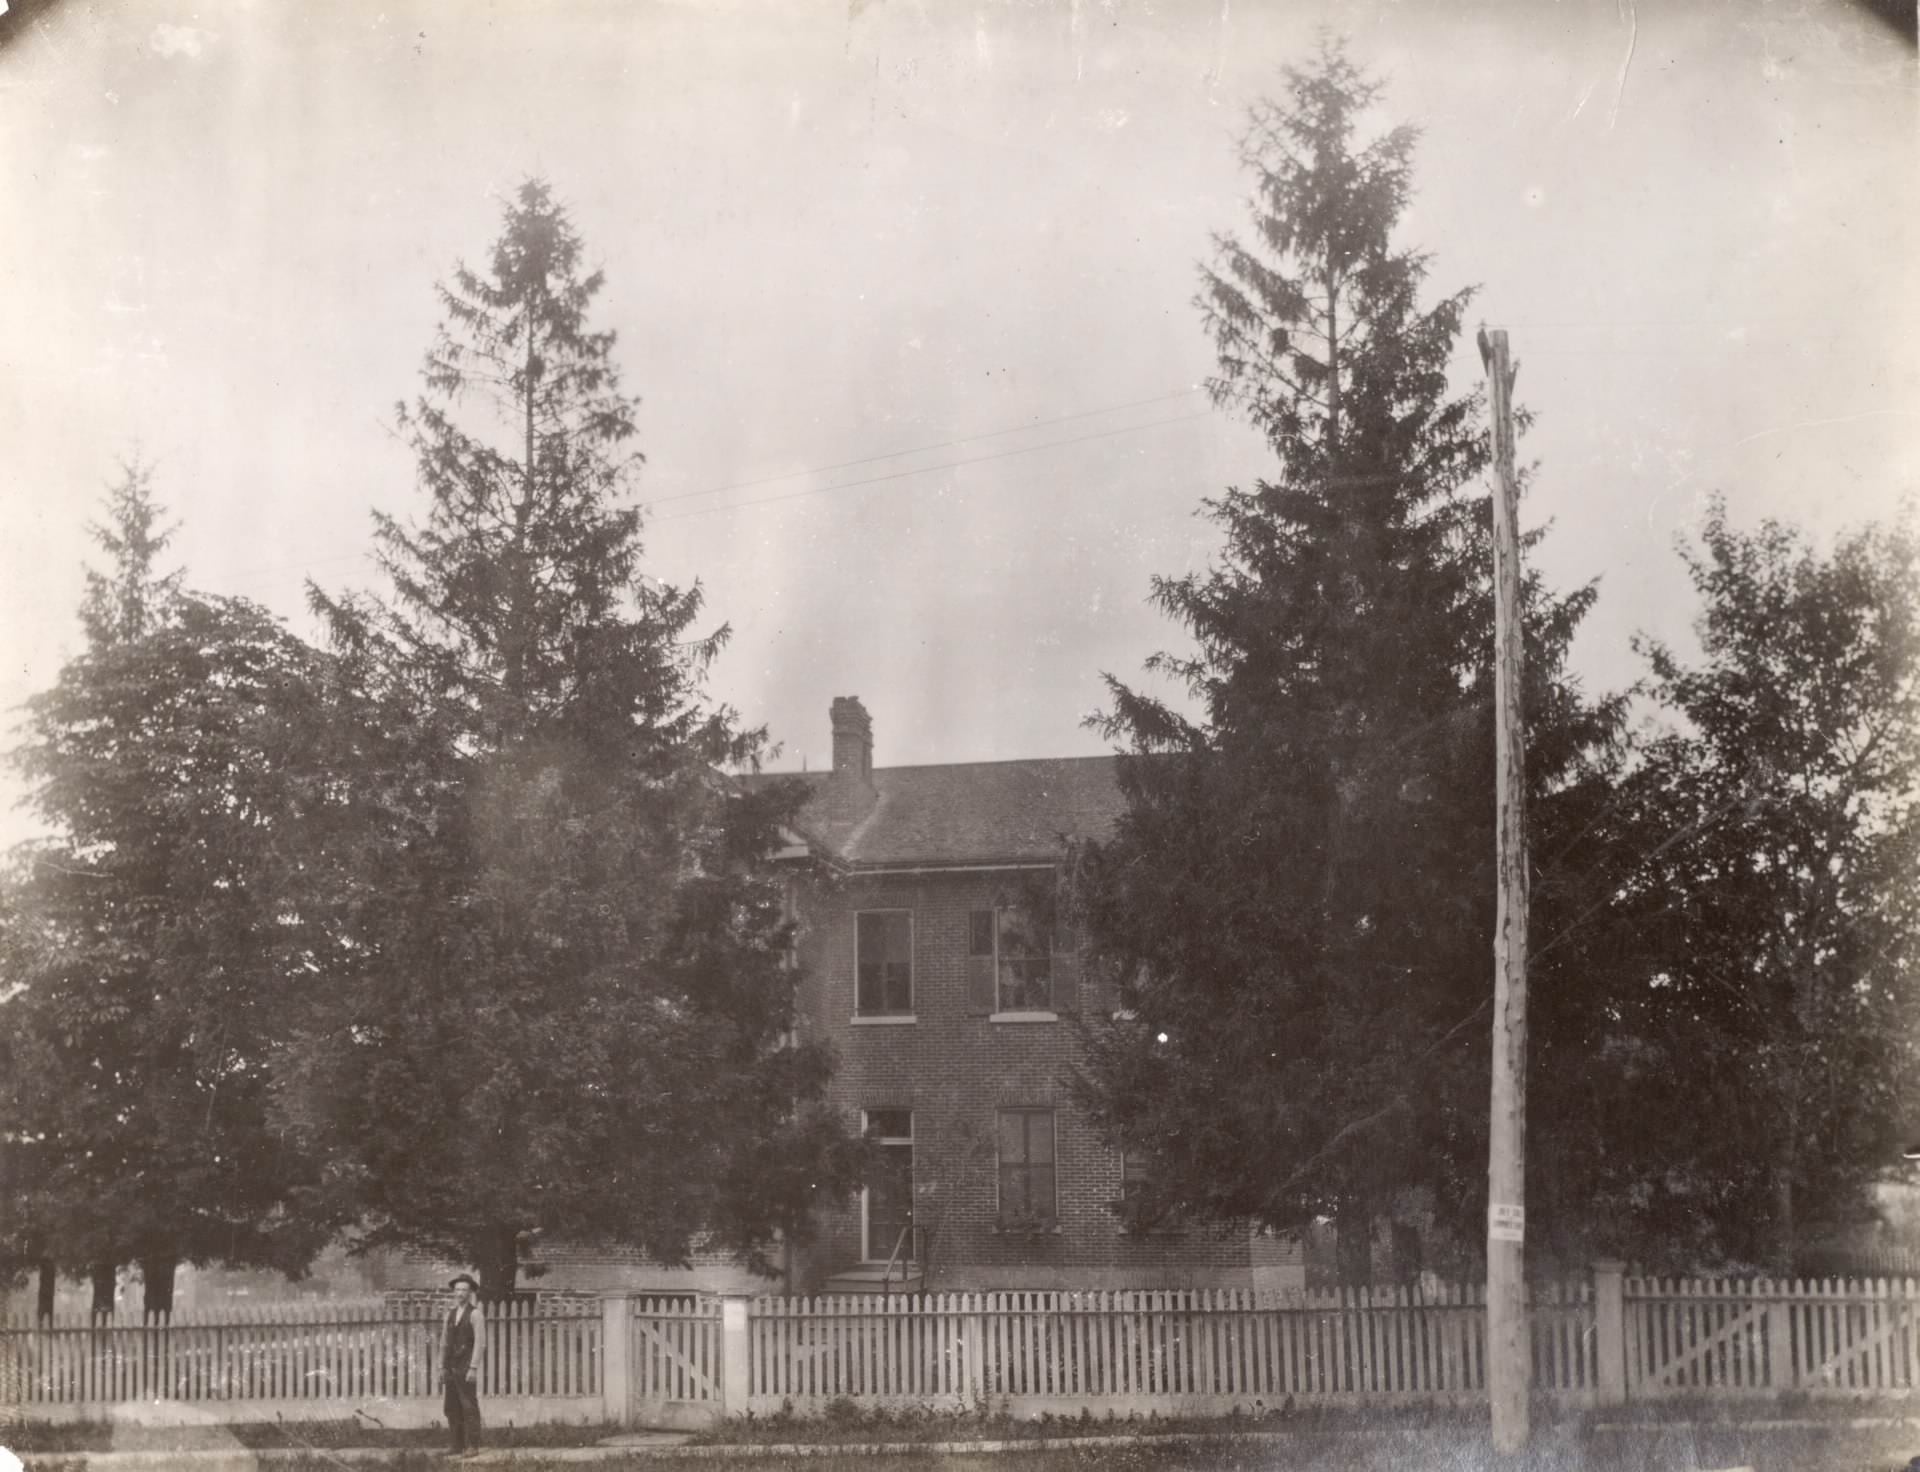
{"points": [[957, 1007], [956, 1010]]}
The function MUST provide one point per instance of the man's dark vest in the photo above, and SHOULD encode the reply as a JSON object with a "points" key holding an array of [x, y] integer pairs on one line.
{"points": [[459, 1349]]}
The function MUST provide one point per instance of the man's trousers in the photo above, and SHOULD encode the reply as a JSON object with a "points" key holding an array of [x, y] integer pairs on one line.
{"points": [[463, 1412]]}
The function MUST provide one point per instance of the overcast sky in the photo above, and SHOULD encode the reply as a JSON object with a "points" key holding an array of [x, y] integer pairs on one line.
{"points": [[947, 250]]}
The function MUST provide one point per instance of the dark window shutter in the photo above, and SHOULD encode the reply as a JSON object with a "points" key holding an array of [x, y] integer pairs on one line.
{"points": [[980, 979], [980, 933], [1066, 977], [899, 982], [869, 962]]}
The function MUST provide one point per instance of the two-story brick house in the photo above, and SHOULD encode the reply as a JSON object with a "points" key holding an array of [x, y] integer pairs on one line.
{"points": [[956, 1006], [956, 1009]]}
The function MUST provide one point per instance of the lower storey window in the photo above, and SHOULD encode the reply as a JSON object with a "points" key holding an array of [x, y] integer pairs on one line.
{"points": [[1134, 1173], [1027, 1168]]}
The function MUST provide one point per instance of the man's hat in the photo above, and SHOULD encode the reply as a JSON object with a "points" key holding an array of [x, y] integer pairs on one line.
{"points": [[466, 1278]]}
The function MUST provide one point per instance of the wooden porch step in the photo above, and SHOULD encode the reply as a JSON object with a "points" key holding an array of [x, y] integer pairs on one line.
{"points": [[868, 1277]]}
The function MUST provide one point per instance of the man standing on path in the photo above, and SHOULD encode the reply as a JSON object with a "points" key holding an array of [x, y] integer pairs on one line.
{"points": [[463, 1342]]}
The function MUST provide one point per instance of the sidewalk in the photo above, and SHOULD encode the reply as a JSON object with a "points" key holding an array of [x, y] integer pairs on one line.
{"points": [[658, 1444], [647, 1444]]}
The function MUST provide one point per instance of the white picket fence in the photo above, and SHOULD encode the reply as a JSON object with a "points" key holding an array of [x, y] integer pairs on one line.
{"points": [[306, 1359], [690, 1361], [674, 1369], [1740, 1339], [1185, 1349]]}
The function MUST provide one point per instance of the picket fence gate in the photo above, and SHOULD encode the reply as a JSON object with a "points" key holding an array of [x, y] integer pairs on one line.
{"points": [[674, 1370], [1732, 1339]]}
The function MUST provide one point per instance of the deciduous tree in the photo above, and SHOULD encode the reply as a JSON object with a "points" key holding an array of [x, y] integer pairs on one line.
{"points": [[1761, 989]]}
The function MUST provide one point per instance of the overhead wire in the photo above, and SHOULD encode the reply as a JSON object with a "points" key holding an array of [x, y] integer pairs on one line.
{"points": [[813, 470], [965, 439], [874, 480]]}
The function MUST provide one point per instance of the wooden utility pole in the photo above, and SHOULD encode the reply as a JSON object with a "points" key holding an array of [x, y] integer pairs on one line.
{"points": [[1507, 1348]]}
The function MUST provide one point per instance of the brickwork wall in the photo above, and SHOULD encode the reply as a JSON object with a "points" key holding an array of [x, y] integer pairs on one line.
{"points": [[956, 1071], [1270, 1250], [427, 1301], [591, 1269]]}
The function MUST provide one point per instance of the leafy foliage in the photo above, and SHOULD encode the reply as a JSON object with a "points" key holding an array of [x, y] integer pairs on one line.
{"points": [[1298, 902], [562, 997], [1760, 1058]]}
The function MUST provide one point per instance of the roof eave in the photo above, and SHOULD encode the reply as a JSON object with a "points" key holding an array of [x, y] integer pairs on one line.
{"points": [[952, 866]]}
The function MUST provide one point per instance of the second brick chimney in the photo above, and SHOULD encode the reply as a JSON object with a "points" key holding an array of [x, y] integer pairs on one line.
{"points": [[852, 740]]}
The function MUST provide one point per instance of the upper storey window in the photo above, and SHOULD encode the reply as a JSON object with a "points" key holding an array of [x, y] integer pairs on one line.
{"points": [[883, 963], [1009, 962]]}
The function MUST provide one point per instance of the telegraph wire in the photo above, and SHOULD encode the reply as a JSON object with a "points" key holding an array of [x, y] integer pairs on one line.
{"points": [[812, 470], [965, 439], [874, 480]]}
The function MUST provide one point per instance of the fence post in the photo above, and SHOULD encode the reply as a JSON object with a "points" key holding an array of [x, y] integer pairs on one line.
{"points": [[1780, 1374], [734, 1355], [1610, 1330], [973, 1342], [616, 1358], [15, 1349]]}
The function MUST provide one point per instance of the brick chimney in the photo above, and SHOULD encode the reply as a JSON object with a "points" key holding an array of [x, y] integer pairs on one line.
{"points": [[852, 740]]}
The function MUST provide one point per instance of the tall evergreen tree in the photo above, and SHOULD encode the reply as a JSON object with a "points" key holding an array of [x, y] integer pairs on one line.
{"points": [[130, 599], [145, 940], [1298, 901], [563, 1003]]}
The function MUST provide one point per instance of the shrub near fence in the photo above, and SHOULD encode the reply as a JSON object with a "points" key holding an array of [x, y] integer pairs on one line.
{"points": [[289, 1357]]}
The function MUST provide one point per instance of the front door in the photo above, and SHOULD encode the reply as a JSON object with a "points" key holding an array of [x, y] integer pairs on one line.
{"points": [[887, 1202]]}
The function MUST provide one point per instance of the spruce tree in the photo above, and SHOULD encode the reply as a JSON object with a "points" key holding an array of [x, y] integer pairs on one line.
{"points": [[133, 597], [562, 1004], [1298, 902], [145, 937]]}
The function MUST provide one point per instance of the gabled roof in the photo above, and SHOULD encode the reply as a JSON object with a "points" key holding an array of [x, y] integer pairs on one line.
{"points": [[970, 813]]}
